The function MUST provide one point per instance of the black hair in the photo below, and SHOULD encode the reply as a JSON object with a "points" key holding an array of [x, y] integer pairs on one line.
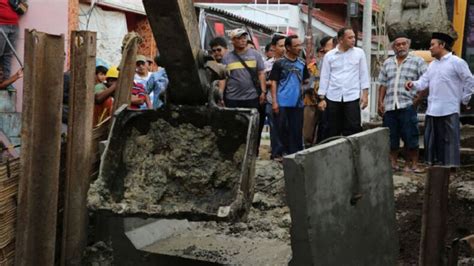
{"points": [[342, 31], [218, 41], [446, 45], [101, 69], [276, 38], [289, 39], [325, 40], [267, 47]]}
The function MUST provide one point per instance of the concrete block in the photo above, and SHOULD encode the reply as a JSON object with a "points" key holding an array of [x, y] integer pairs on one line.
{"points": [[329, 225]]}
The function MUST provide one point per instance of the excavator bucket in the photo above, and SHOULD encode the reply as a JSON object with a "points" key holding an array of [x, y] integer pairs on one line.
{"points": [[186, 160], [178, 162]]}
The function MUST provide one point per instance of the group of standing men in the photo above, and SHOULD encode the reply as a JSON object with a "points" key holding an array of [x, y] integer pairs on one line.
{"points": [[449, 84], [337, 83], [281, 87]]}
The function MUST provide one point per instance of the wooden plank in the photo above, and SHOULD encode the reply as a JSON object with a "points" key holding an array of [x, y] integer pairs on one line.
{"points": [[434, 219], [41, 144], [127, 70], [79, 144]]}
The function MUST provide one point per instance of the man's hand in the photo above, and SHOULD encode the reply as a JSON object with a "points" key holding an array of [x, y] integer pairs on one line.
{"points": [[381, 109], [275, 107], [409, 85], [364, 100], [19, 74], [322, 105], [262, 98]]}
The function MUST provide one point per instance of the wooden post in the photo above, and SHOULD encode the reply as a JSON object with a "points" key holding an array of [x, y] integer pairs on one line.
{"points": [[434, 221], [79, 140], [127, 71], [40, 151]]}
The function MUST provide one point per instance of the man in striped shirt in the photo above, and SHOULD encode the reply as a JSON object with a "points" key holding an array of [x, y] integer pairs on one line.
{"points": [[245, 85], [395, 103]]}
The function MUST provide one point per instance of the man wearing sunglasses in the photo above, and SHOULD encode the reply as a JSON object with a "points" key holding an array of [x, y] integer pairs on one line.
{"points": [[218, 48]]}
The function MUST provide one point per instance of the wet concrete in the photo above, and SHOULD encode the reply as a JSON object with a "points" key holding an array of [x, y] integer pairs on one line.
{"points": [[182, 162]]}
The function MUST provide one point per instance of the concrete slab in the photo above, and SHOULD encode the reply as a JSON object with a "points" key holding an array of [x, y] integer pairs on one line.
{"points": [[329, 225], [137, 241]]}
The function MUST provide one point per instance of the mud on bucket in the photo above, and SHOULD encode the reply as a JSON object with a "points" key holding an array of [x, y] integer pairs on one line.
{"points": [[180, 162]]}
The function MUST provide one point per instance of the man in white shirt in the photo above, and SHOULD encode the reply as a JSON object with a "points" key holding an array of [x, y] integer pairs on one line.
{"points": [[450, 83], [344, 77]]}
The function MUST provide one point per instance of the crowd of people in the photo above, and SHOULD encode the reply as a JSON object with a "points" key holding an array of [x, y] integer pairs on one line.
{"points": [[147, 91], [306, 103]]}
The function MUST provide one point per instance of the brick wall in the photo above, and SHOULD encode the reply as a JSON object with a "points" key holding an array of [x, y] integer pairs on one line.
{"points": [[148, 46]]}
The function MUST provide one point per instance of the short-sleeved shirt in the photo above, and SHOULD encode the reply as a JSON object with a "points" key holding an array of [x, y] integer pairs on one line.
{"points": [[142, 80], [289, 76], [240, 85], [394, 76], [138, 90], [156, 84], [99, 87], [8, 15]]}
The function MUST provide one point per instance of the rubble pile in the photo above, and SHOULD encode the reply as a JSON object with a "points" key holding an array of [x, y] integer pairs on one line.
{"points": [[269, 216]]}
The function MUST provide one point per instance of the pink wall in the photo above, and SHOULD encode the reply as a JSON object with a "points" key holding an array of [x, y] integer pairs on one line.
{"points": [[50, 16]]}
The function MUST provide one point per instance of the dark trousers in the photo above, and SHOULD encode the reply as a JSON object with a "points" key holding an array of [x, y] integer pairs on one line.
{"points": [[253, 103], [275, 143], [290, 127], [343, 118]]}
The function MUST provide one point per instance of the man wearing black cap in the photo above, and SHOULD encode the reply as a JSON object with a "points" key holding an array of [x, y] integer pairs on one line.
{"points": [[395, 103], [450, 83]]}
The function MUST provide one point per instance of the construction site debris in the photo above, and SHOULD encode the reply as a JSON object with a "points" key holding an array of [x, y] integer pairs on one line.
{"points": [[262, 239], [418, 23], [464, 190], [172, 165], [99, 254]]}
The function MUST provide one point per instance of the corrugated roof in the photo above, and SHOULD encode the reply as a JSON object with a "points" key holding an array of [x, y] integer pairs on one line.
{"points": [[223, 13]]}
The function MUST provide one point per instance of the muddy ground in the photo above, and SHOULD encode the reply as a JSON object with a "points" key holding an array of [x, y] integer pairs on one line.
{"points": [[409, 192], [269, 218]]}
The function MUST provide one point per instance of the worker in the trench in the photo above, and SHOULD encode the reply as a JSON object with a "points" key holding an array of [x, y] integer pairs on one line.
{"points": [[396, 105], [451, 84], [288, 75], [344, 86]]}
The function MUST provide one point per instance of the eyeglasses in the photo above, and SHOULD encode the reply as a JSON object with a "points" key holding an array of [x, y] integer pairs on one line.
{"points": [[217, 50]]}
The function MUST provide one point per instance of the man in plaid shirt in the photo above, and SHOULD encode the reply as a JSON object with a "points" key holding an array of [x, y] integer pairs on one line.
{"points": [[395, 103]]}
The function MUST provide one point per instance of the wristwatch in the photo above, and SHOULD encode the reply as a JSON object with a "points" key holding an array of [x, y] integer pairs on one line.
{"points": [[322, 98]]}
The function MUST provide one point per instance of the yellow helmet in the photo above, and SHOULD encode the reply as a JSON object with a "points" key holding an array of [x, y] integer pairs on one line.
{"points": [[112, 72]]}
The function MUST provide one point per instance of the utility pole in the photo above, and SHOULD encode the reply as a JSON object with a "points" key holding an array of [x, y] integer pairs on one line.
{"points": [[348, 13], [309, 34], [367, 46]]}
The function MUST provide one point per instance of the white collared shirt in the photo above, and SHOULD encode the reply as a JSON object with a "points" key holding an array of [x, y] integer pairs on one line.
{"points": [[450, 83], [344, 75]]}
